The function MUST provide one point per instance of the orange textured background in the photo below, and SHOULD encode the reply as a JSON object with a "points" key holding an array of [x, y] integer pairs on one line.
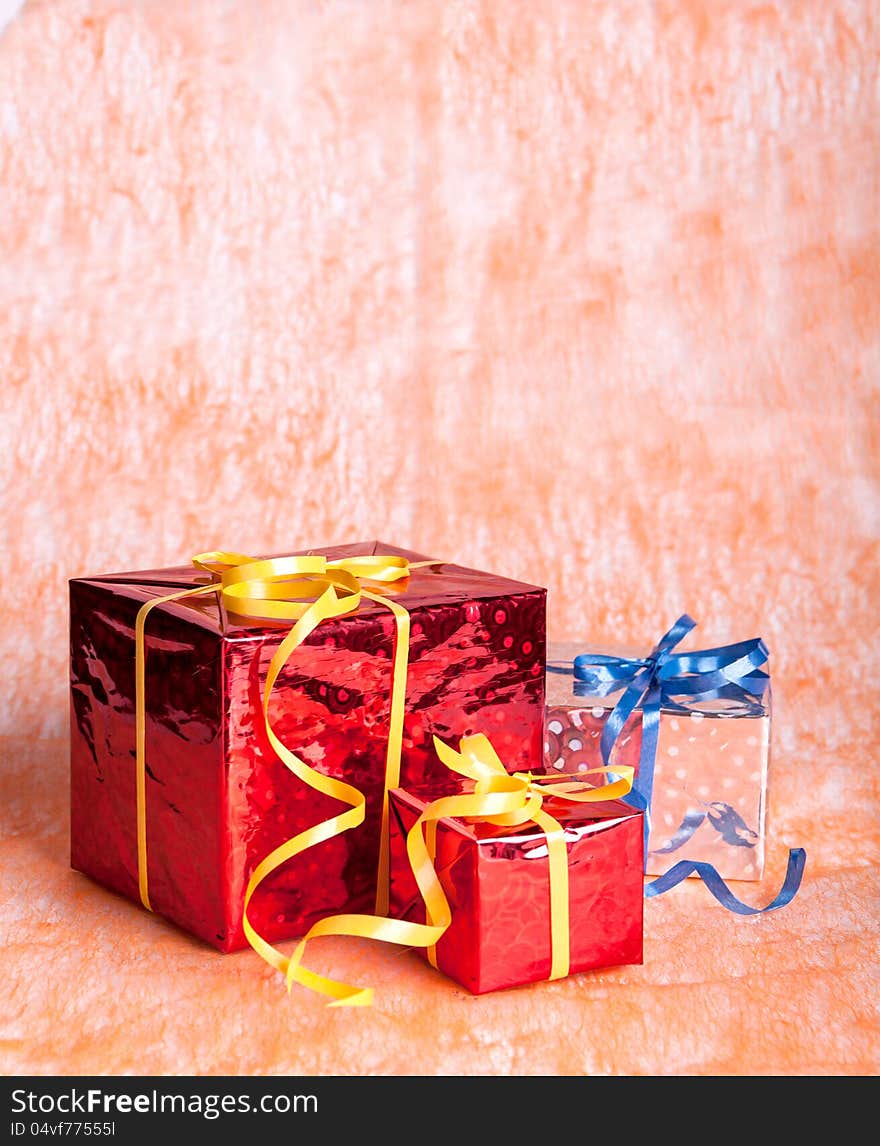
{"points": [[584, 293]]}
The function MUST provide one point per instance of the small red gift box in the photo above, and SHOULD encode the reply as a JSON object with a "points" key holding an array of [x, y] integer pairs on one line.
{"points": [[496, 880], [216, 799]]}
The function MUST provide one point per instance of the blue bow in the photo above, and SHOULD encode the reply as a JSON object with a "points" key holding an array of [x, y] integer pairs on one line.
{"points": [[665, 679], [678, 682]]}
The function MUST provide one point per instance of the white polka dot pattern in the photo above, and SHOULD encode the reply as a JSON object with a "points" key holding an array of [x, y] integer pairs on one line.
{"points": [[701, 766]]}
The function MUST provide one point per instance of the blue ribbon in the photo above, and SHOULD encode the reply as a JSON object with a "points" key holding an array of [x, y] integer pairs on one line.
{"points": [[797, 860], [678, 682]]}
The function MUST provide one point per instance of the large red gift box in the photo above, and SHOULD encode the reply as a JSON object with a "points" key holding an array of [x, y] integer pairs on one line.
{"points": [[217, 798], [496, 880]]}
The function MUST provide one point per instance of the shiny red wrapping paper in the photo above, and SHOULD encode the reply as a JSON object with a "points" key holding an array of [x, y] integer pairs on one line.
{"points": [[218, 800], [497, 882]]}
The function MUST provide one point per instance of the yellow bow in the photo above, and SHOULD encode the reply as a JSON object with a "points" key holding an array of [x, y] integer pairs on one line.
{"points": [[498, 798], [304, 591]]}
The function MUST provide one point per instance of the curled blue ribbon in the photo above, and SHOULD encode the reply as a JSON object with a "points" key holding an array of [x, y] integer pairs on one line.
{"points": [[677, 682], [797, 860]]}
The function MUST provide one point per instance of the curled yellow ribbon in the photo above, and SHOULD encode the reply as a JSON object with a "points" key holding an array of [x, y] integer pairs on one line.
{"points": [[304, 591], [498, 798]]}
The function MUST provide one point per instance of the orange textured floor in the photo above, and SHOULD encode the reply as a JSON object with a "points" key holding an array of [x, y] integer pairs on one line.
{"points": [[587, 294]]}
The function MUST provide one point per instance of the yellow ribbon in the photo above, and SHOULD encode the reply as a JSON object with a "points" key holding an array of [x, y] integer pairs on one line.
{"points": [[305, 591], [498, 798]]}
